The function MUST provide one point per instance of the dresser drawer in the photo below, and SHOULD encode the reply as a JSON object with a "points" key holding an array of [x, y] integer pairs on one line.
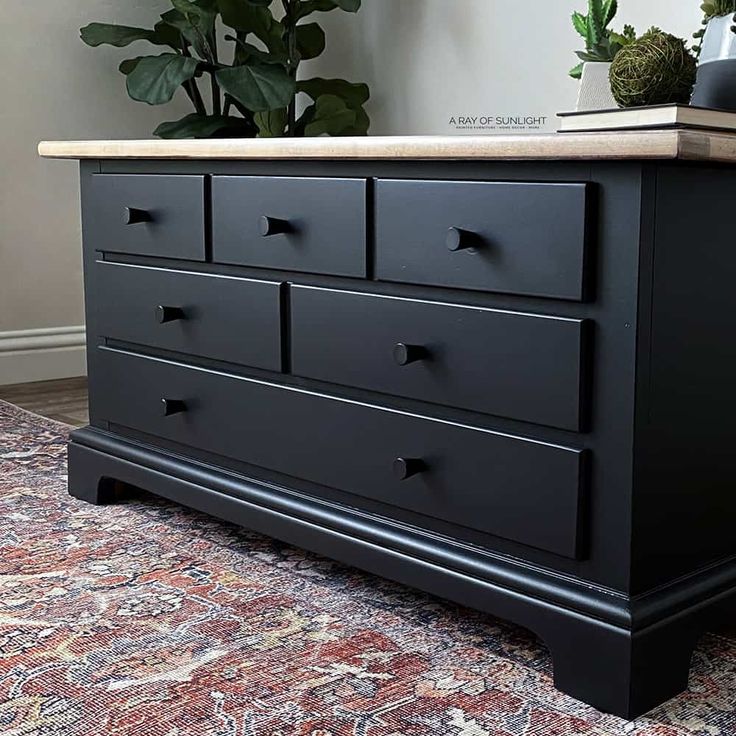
{"points": [[147, 215], [521, 366], [514, 238], [218, 317], [507, 486], [295, 224]]}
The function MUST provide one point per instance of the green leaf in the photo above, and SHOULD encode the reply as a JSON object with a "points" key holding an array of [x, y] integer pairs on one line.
{"points": [[581, 24], [352, 6], [248, 18], [127, 66], [310, 40], [259, 87], [595, 29], [155, 79], [361, 125], [96, 34], [201, 126], [247, 51], [199, 13], [185, 29], [332, 116], [577, 72], [271, 124], [354, 95], [610, 8], [307, 7], [168, 35]]}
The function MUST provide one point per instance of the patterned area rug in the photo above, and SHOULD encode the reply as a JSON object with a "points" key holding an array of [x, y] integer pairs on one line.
{"points": [[146, 619]]}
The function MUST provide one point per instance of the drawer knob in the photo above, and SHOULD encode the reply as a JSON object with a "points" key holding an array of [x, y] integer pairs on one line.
{"points": [[268, 226], [168, 314], [405, 354], [173, 406], [406, 467], [133, 216], [459, 239]]}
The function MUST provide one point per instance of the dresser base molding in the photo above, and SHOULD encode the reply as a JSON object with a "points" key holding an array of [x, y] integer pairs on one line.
{"points": [[622, 655]]}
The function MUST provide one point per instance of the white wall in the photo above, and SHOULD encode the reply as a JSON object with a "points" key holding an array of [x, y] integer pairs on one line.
{"points": [[426, 61], [53, 86]]}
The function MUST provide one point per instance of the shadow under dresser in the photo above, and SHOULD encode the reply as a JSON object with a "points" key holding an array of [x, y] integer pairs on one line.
{"points": [[497, 369]]}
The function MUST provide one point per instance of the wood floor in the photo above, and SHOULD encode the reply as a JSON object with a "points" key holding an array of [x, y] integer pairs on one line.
{"points": [[64, 400]]}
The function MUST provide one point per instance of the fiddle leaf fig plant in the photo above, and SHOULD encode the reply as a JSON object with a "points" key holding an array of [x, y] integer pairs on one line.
{"points": [[250, 90], [601, 43]]}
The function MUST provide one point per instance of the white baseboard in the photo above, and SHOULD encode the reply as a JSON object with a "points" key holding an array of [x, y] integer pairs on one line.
{"points": [[42, 355]]}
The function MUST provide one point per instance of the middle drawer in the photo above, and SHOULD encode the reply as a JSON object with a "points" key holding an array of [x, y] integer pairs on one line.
{"points": [[208, 315], [521, 366]]}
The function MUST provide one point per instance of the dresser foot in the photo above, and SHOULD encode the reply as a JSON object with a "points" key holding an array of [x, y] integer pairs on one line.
{"points": [[87, 482], [623, 673]]}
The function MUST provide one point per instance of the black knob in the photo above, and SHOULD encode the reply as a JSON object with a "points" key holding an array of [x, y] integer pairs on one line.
{"points": [[405, 354], [173, 406], [168, 314], [406, 467], [459, 239], [268, 226], [132, 216]]}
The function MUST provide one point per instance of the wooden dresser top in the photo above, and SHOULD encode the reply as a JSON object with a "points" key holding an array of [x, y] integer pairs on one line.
{"points": [[691, 145]]}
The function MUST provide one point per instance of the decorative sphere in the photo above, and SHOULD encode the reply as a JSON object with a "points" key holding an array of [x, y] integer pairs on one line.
{"points": [[656, 69]]}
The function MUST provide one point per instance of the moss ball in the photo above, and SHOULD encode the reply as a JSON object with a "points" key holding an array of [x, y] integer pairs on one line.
{"points": [[656, 69]]}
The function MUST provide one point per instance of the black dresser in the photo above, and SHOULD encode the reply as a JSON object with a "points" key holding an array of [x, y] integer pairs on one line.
{"points": [[499, 370]]}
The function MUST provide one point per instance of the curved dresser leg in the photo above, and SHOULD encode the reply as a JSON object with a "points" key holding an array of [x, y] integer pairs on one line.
{"points": [[87, 482], [620, 672]]}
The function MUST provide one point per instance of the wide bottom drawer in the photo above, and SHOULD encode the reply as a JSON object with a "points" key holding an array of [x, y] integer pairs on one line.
{"points": [[512, 487]]}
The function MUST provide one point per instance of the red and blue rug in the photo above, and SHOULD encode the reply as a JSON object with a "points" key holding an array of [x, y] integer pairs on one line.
{"points": [[147, 619]]}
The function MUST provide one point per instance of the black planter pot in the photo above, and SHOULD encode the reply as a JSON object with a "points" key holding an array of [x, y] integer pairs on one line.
{"points": [[716, 85]]}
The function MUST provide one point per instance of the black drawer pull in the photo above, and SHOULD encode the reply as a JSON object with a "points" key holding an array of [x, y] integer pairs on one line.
{"points": [[268, 226], [405, 354], [133, 216], [406, 467], [459, 239], [173, 406], [168, 314]]}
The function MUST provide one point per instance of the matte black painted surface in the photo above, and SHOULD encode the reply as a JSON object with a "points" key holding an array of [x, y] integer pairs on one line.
{"points": [[686, 487], [523, 238], [480, 359], [654, 565], [174, 209], [508, 486], [229, 319], [313, 225], [606, 648]]}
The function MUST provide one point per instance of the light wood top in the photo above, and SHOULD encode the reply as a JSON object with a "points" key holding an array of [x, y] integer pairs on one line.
{"points": [[673, 144]]}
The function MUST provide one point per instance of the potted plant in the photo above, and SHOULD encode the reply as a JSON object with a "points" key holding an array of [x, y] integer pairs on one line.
{"points": [[601, 46], [251, 90], [716, 84]]}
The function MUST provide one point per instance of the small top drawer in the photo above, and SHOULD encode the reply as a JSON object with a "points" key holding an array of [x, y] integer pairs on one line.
{"points": [[294, 224], [146, 215], [514, 238], [211, 316]]}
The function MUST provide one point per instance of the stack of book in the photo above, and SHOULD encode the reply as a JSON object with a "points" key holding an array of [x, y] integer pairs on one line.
{"points": [[658, 117]]}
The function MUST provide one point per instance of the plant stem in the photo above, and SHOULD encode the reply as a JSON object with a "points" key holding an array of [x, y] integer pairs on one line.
{"points": [[216, 96], [190, 86], [293, 64]]}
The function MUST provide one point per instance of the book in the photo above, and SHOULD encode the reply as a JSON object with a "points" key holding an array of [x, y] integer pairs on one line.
{"points": [[656, 117]]}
